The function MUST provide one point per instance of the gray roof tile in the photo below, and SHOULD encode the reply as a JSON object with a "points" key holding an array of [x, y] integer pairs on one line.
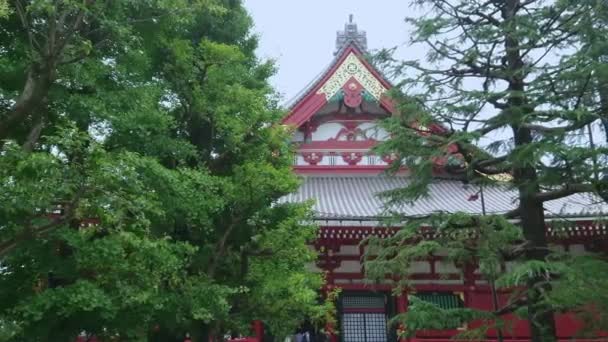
{"points": [[356, 197]]}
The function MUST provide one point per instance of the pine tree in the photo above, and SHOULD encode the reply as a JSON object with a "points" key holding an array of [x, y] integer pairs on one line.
{"points": [[514, 85]]}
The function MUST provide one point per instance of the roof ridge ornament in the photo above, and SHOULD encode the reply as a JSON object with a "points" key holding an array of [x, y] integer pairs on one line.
{"points": [[350, 34]]}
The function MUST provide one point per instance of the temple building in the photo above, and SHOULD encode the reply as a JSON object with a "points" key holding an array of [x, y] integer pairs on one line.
{"points": [[335, 123]]}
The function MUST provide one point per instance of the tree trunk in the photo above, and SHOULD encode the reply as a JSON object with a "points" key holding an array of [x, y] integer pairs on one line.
{"points": [[34, 134], [532, 213], [34, 91], [542, 323]]}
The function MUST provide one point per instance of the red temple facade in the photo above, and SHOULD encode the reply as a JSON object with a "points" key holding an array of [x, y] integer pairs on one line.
{"points": [[335, 124]]}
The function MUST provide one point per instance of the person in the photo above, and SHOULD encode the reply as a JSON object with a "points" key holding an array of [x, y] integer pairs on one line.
{"points": [[306, 332], [300, 335], [307, 335], [187, 339]]}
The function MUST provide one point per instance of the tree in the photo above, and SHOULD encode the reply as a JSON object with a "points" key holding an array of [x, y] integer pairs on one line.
{"points": [[593, 53], [113, 277], [3, 9], [511, 85], [224, 107], [140, 166]]}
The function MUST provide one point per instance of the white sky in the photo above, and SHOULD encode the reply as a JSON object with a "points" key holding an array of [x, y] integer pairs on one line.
{"points": [[301, 35]]}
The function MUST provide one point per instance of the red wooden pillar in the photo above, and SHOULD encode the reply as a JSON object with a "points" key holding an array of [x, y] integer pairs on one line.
{"points": [[402, 304], [258, 330], [469, 282], [328, 263], [329, 328]]}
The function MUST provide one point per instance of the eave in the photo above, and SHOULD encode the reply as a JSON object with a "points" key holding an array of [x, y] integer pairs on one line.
{"points": [[311, 101]]}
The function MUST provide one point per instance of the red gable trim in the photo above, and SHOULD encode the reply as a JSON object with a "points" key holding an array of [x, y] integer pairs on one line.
{"points": [[306, 107]]}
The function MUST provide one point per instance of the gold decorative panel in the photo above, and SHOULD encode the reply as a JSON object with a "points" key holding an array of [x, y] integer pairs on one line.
{"points": [[352, 67]]}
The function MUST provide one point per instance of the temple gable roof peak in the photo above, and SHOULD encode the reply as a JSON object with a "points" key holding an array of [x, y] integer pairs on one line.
{"points": [[348, 64], [350, 34]]}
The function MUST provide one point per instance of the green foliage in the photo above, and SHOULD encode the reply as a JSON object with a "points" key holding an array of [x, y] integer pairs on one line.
{"points": [[486, 241], [4, 9], [423, 315], [141, 160], [507, 97], [114, 276]]}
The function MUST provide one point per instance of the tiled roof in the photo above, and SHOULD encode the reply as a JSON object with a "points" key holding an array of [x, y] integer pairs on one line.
{"points": [[291, 103], [356, 197]]}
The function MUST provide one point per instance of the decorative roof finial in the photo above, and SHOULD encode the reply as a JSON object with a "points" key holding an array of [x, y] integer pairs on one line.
{"points": [[350, 33]]}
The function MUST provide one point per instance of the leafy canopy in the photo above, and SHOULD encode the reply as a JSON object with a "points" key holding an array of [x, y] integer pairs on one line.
{"points": [[141, 162]]}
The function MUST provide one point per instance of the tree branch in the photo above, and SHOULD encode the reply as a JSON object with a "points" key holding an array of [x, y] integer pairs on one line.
{"points": [[559, 129], [512, 306], [567, 190], [31, 232], [220, 249], [34, 133]]}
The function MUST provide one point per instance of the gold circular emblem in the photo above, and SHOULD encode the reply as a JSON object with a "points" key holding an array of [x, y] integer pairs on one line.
{"points": [[351, 68]]}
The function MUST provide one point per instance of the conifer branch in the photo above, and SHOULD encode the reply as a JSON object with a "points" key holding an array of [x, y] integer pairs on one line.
{"points": [[567, 190]]}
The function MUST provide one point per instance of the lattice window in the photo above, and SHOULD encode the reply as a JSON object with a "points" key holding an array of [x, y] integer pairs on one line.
{"points": [[363, 319], [363, 302], [375, 327], [353, 327], [444, 300]]}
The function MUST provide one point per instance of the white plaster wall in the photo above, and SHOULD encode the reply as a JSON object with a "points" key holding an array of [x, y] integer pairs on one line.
{"points": [[326, 131], [311, 267], [372, 130], [420, 267], [349, 266], [372, 160], [298, 137], [577, 249], [348, 250], [445, 267], [337, 160], [300, 160]]}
